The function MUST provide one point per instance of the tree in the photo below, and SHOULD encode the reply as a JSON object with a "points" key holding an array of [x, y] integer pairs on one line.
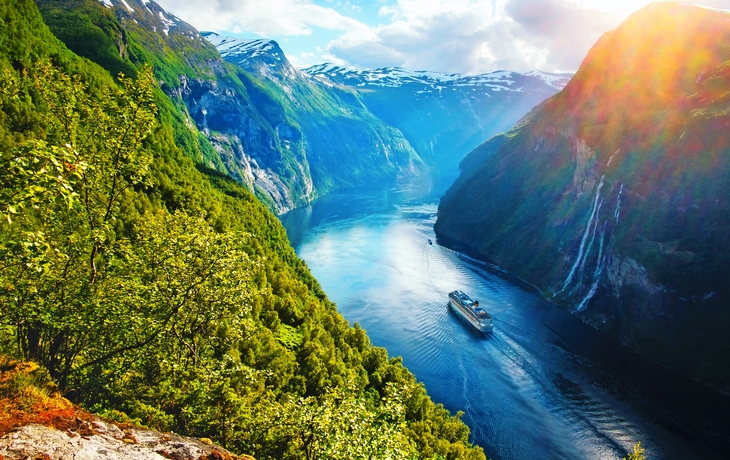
{"points": [[342, 424], [637, 454], [33, 173], [66, 187]]}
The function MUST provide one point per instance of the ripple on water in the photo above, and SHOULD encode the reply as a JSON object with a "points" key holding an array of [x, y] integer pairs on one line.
{"points": [[525, 390]]}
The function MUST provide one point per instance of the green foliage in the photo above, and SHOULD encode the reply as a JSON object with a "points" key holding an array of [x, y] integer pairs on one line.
{"points": [[289, 336], [90, 157], [637, 454], [95, 35], [163, 293], [341, 424]]}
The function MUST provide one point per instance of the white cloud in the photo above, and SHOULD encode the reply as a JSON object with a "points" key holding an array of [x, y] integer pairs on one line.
{"points": [[264, 18], [465, 36], [476, 36]]}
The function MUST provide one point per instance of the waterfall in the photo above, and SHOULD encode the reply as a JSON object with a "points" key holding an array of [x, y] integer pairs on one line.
{"points": [[587, 252], [609, 160], [602, 257], [596, 273], [479, 122], [583, 241], [618, 203]]}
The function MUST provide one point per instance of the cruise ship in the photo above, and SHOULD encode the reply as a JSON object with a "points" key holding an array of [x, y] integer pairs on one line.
{"points": [[470, 311]]}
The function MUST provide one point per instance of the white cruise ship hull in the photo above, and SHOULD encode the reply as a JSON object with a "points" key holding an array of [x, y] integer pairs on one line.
{"points": [[483, 325]]}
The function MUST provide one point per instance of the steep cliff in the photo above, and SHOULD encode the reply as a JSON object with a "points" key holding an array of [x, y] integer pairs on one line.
{"points": [[346, 144], [289, 138], [612, 196]]}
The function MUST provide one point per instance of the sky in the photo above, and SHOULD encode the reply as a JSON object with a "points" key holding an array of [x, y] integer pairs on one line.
{"points": [[454, 36]]}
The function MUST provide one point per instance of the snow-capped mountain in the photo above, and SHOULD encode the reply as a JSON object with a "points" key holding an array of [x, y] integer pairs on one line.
{"points": [[245, 48], [295, 134], [395, 77], [152, 15], [444, 115], [256, 55], [259, 120]]}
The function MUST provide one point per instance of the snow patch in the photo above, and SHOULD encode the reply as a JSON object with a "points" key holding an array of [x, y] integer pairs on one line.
{"points": [[244, 47], [167, 22], [131, 10], [395, 77], [557, 81], [107, 3]]}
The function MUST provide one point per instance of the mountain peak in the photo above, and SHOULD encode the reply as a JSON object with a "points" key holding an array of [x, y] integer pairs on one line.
{"points": [[259, 55], [249, 47], [652, 62], [151, 15]]}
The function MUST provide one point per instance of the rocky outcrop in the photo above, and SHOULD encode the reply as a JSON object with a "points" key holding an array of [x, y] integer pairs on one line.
{"points": [[103, 440], [36, 422], [584, 176]]}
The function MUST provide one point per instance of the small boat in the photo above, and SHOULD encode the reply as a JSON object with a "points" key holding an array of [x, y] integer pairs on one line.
{"points": [[430, 242], [470, 311]]}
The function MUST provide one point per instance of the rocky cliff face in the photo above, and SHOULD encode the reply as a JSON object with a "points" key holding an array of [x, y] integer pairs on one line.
{"points": [[288, 137], [268, 153], [344, 143], [612, 196]]}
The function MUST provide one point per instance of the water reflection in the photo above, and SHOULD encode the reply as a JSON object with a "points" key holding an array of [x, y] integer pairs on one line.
{"points": [[542, 385]]}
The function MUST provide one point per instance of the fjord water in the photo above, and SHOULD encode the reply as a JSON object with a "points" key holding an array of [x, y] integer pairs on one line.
{"points": [[542, 384]]}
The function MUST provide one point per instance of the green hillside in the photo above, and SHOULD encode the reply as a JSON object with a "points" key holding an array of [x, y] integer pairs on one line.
{"points": [[160, 291], [288, 141]]}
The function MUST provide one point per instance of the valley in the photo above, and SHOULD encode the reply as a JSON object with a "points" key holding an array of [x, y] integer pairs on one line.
{"points": [[200, 234], [543, 384]]}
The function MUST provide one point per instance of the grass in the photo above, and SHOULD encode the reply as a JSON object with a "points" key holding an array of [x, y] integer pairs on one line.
{"points": [[28, 395]]}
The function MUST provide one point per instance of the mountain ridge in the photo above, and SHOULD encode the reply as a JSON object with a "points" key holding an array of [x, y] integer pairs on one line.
{"points": [[465, 109], [398, 76], [479, 106], [611, 195], [289, 137]]}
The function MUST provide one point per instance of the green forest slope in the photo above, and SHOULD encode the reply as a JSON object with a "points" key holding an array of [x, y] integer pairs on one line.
{"points": [[157, 290]]}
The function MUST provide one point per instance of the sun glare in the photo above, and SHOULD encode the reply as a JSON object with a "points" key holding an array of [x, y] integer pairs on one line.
{"points": [[621, 6]]}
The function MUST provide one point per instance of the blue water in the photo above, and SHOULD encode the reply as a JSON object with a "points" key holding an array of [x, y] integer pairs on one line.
{"points": [[543, 385]]}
